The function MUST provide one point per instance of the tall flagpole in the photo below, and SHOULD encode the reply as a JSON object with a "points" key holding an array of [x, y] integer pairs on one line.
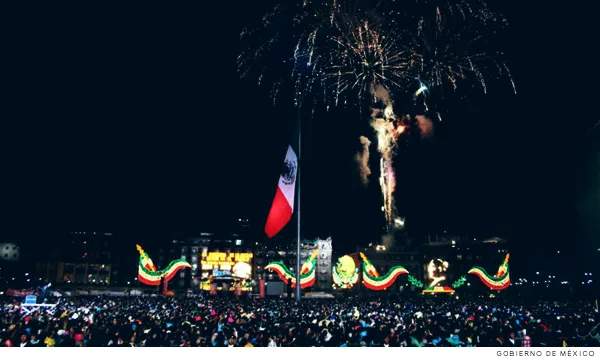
{"points": [[298, 265]]}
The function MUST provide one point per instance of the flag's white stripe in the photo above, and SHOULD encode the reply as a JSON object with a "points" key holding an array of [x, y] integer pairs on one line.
{"points": [[288, 188]]}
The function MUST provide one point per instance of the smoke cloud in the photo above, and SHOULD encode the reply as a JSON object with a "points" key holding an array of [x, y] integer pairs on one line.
{"points": [[425, 126], [362, 160]]}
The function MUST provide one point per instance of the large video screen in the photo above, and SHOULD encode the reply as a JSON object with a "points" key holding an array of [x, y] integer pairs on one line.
{"points": [[226, 265]]}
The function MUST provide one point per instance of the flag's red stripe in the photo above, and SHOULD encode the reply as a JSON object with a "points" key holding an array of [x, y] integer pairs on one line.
{"points": [[147, 281], [279, 215]]}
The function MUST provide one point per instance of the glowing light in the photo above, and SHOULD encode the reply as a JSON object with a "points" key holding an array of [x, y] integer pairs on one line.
{"points": [[380, 248], [436, 271], [149, 274], [421, 90], [373, 281], [399, 222], [345, 273], [498, 282], [307, 271]]}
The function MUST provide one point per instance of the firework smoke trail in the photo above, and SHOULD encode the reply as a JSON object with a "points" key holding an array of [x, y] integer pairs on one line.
{"points": [[387, 176], [362, 159], [387, 181], [388, 130]]}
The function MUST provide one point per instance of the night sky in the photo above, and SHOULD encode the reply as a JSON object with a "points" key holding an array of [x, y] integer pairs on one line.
{"points": [[134, 120]]}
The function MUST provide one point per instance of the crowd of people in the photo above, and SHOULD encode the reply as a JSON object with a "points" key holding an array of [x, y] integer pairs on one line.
{"points": [[343, 321]]}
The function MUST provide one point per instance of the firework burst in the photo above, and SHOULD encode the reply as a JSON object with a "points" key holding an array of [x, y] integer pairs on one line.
{"points": [[364, 53]]}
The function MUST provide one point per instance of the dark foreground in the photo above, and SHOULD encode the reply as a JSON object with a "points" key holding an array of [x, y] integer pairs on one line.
{"points": [[349, 321]]}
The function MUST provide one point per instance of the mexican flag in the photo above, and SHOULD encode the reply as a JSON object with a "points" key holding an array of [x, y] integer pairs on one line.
{"points": [[283, 203]]}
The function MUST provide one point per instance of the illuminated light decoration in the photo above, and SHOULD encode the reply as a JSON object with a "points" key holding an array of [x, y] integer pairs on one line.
{"points": [[383, 282], [281, 270], [310, 263], [145, 260], [372, 280], [368, 266], [148, 273], [415, 282], [242, 270], [308, 274], [218, 267], [460, 282], [436, 272], [498, 282], [439, 290], [345, 273]]}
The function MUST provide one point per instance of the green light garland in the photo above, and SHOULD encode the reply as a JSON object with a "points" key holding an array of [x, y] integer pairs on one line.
{"points": [[415, 282], [460, 282]]}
